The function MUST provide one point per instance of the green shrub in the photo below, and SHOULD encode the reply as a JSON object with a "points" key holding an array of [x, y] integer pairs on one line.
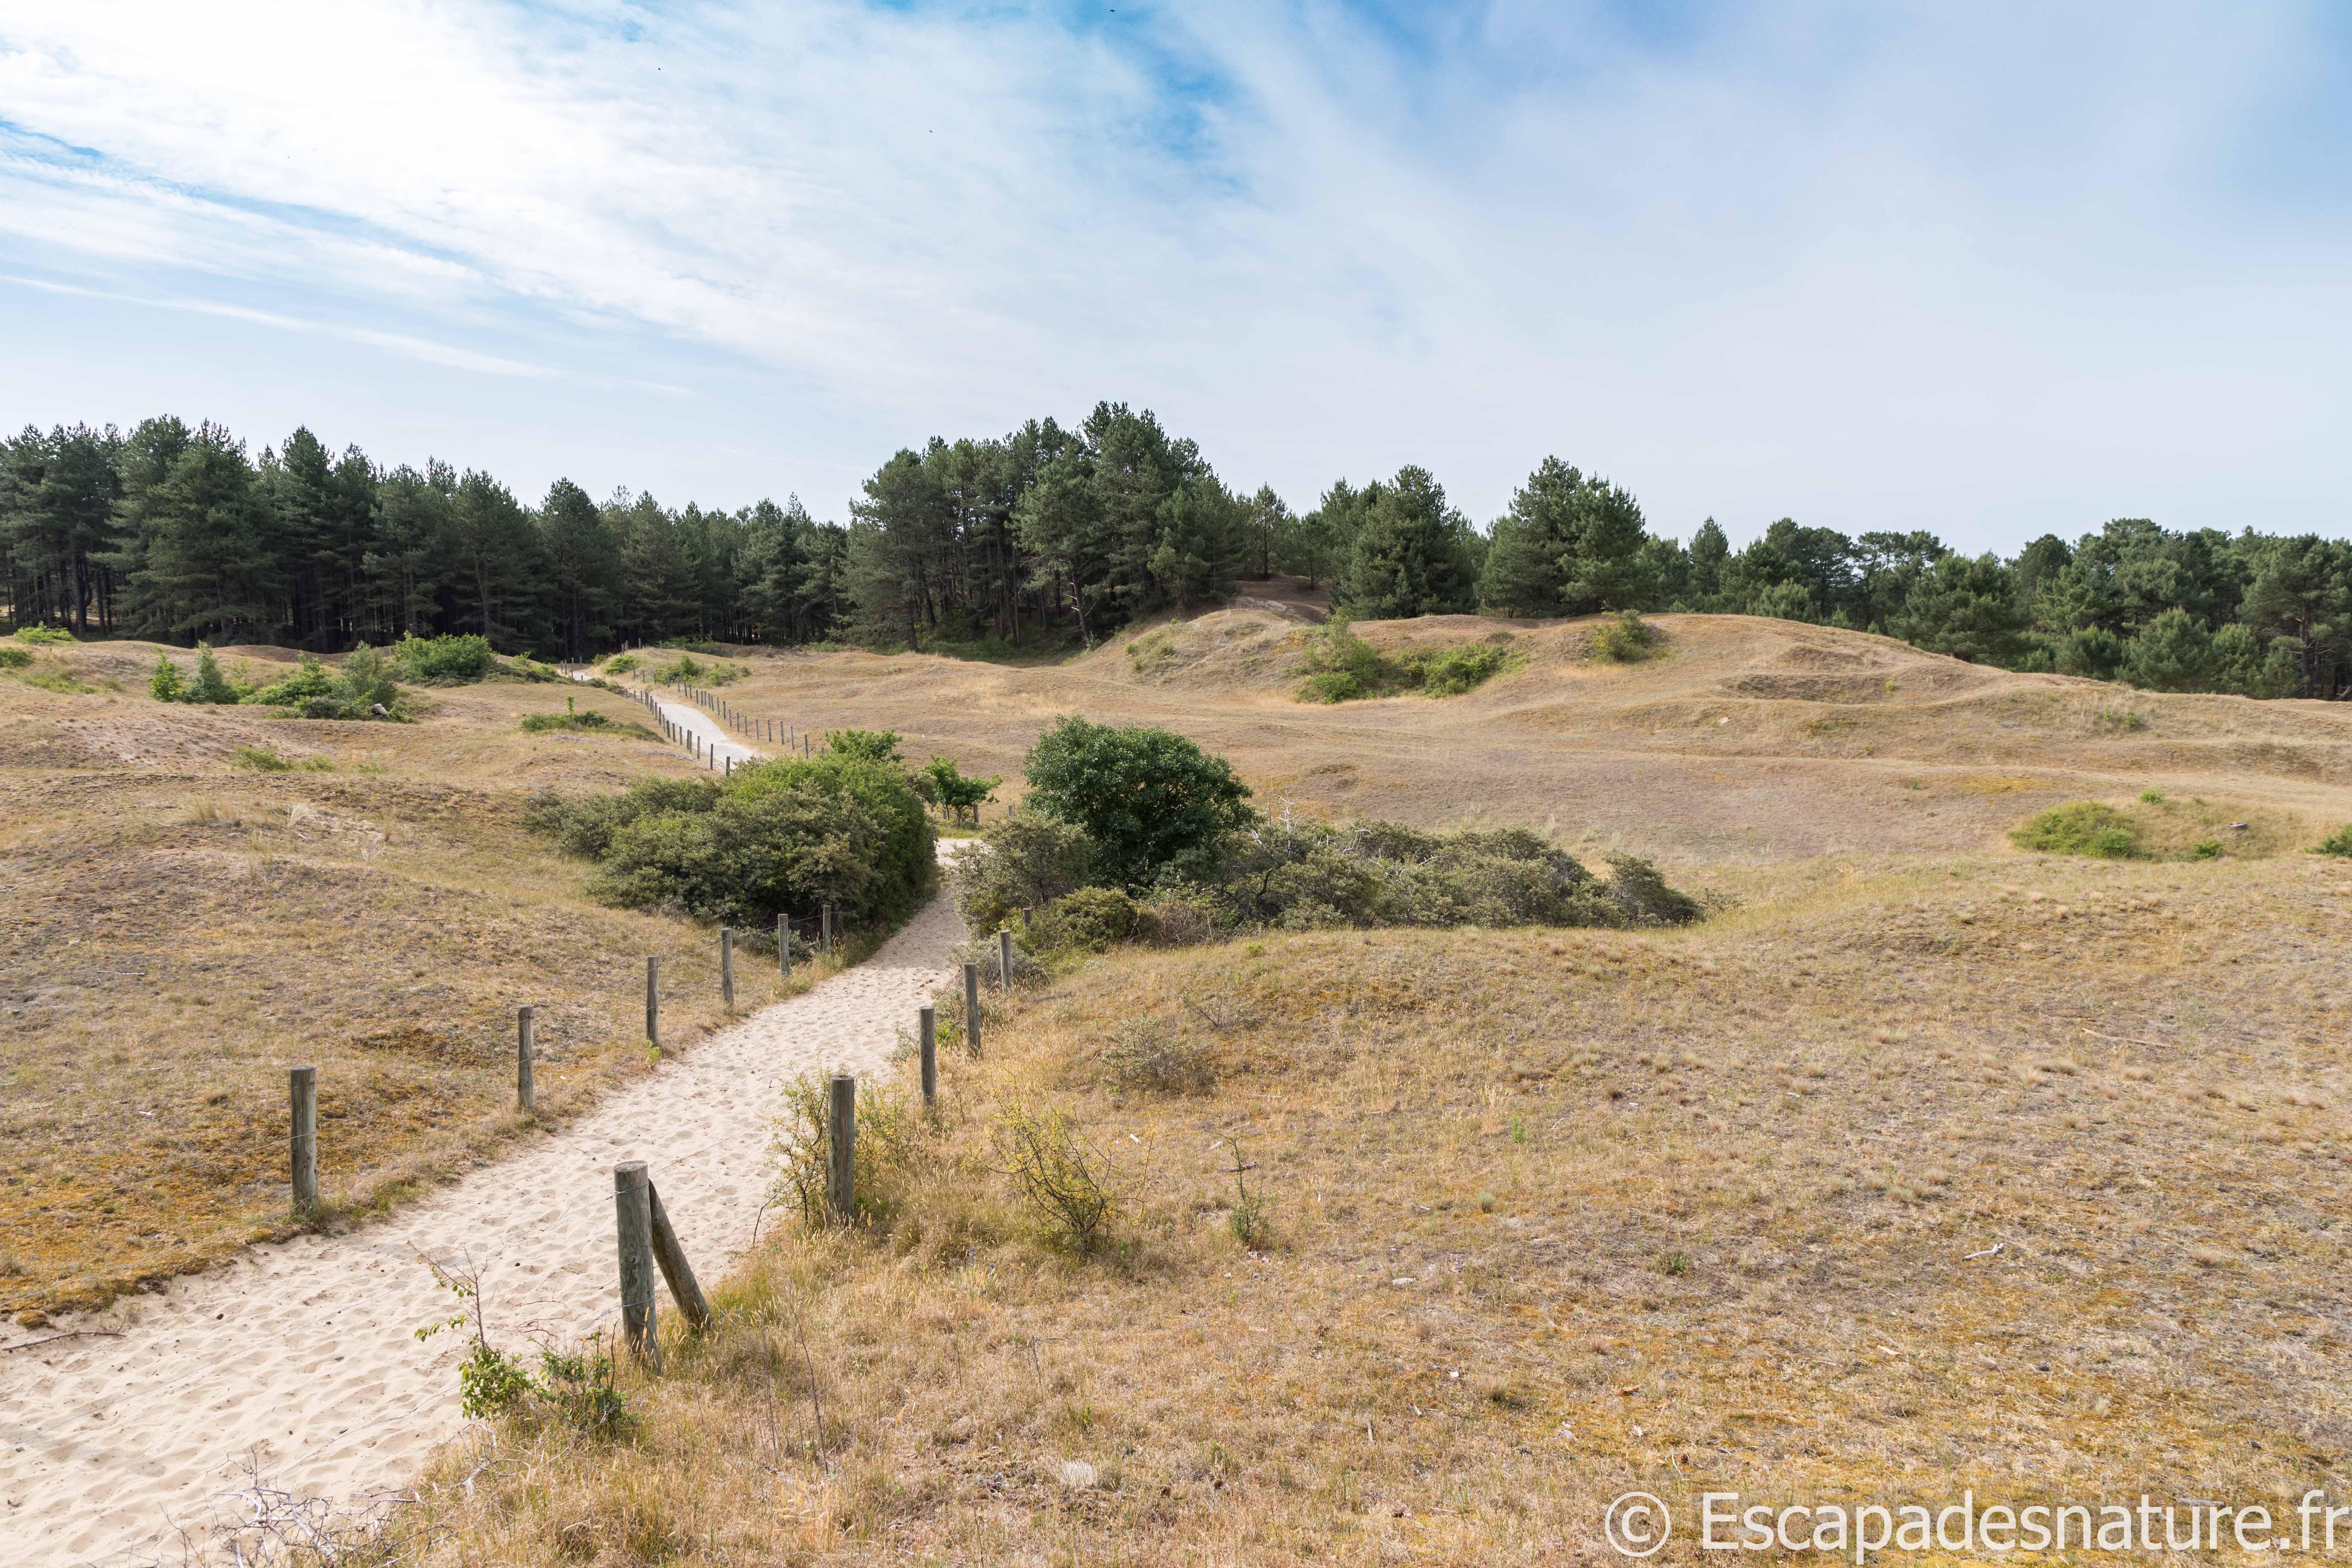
{"points": [[44, 635], [445, 660], [361, 685], [867, 745], [16, 657], [2337, 843], [1341, 667], [589, 723], [1459, 669], [2082, 828], [2152, 796], [1635, 887], [1059, 1176], [208, 684], [165, 685], [778, 838], [1627, 639], [961, 795], [888, 1155], [1025, 861], [1146, 797], [621, 664], [1089, 920], [747, 859], [262, 759], [2206, 849], [311, 678]]}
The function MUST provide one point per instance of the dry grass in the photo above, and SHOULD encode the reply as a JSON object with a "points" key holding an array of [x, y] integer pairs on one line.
{"points": [[181, 930], [1557, 1215]]}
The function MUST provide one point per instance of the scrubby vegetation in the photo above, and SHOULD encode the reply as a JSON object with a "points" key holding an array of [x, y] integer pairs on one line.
{"points": [[1079, 856], [362, 688], [587, 723], [1341, 667], [779, 837], [2158, 827]]}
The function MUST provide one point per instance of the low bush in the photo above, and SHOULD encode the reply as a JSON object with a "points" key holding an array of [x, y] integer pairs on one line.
{"points": [[1087, 921], [263, 760], [44, 635], [866, 745], [2337, 843], [888, 1155], [622, 663], [362, 689], [1341, 667], [1060, 1176], [589, 723], [1025, 861], [960, 794], [1150, 1059], [16, 657], [1627, 639], [780, 838], [2082, 828], [445, 660]]}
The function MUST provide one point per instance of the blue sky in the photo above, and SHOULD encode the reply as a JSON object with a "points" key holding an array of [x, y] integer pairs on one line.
{"points": [[1989, 271]]}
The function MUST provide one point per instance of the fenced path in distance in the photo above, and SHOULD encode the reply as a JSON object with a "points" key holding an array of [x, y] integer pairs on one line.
{"points": [[305, 1353]]}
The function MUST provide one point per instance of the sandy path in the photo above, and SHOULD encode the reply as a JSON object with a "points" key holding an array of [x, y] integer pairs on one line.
{"points": [[304, 1352], [718, 744]]}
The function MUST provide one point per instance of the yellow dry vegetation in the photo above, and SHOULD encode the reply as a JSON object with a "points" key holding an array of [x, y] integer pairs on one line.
{"points": [[2019, 1176], [180, 929], [1929, 1165]]}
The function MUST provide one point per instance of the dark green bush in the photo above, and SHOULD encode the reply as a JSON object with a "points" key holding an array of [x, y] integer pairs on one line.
{"points": [[1025, 861], [867, 745], [18, 658], [2337, 843], [1146, 797], [1089, 919], [1628, 639], [1455, 670], [1341, 667], [2082, 828], [445, 660], [781, 838], [355, 691]]}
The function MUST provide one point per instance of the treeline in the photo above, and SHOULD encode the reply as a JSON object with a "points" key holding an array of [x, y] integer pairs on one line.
{"points": [[1049, 533], [173, 532]]}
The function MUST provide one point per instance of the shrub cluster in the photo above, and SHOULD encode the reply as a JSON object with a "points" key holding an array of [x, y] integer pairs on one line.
{"points": [[1341, 667], [2083, 828], [780, 838], [445, 660], [362, 689]]}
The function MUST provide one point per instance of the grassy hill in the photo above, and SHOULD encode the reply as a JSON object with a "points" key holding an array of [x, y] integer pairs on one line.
{"points": [[181, 926], [1933, 1165]]}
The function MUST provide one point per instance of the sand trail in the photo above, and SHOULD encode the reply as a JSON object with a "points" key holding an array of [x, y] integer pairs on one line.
{"points": [[304, 1355]]}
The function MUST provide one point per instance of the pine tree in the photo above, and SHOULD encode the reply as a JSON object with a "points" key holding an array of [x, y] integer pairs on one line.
{"points": [[1532, 542], [583, 564], [1410, 556]]}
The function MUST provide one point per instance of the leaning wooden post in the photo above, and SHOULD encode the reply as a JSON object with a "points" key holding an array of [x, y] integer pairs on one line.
{"points": [[653, 1000], [928, 1032], [841, 1149], [632, 1220], [522, 1059], [303, 1084], [683, 1289], [972, 1009], [1004, 960], [785, 946], [727, 966]]}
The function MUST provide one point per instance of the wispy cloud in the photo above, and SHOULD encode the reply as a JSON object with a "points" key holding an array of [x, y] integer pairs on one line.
{"points": [[1987, 271]]}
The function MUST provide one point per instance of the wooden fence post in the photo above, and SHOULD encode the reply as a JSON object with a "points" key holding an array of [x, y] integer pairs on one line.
{"points": [[841, 1149], [972, 1009], [1004, 960], [683, 1289], [727, 966], [828, 913], [303, 1085], [653, 1000], [633, 1219], [524, 1099], [785, 946], [929, 1030]]}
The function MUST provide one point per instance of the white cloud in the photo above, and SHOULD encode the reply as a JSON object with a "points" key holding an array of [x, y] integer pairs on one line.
{"points": [[1975, 272]]}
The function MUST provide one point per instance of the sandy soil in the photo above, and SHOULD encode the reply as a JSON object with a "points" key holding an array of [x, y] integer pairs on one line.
{"points": [[303, 1355]]}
